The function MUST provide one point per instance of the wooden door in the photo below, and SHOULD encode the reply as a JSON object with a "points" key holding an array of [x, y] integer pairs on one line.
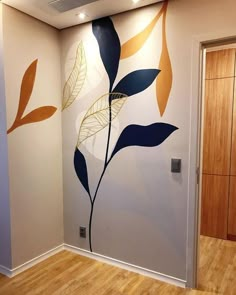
{"points": [[232, 209], [217, 138], [233, 149], [214, 214], [217, 126], [220, 64], [232, 193]]}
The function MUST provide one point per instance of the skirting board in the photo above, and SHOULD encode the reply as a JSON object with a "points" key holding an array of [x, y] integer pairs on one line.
{"points": [[13, 272], [5, 271], [127, 266], [124, 265]]}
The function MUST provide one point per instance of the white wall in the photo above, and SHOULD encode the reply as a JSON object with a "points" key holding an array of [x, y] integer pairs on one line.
{"points": [[5, 226], [143, 214], [141, 208], [35, 153]]}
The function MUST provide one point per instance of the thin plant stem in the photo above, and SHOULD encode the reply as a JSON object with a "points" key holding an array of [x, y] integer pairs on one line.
{"points": [[101, 177], [109, 133], [92, 208]]}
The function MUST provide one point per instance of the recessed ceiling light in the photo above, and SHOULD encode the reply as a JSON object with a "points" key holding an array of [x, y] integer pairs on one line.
{"points": [[135, 1], [82, 15]]}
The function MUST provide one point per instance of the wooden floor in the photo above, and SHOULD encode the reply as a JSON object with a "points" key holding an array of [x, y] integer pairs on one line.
{"points": [[71, 274]]}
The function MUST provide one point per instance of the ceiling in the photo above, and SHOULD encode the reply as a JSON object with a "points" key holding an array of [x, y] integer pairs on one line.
{"points": [[99, 8]]}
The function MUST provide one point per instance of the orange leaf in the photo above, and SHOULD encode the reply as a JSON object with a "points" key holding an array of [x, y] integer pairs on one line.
{"points": [[136, 43], [164, 79], [38, 115], [27, 85]]}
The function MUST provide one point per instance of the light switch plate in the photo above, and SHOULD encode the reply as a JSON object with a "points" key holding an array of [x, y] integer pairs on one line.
{"points": [[175, 165]]}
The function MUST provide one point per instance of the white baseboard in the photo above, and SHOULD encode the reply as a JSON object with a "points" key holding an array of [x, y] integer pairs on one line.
{"points": [[127, 266], [15, 271], [5, 271], [124, 265]]}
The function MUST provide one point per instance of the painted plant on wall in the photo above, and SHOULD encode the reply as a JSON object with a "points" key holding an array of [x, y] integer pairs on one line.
{"points": [[105, 109], [132, 46], [37, 115], [75, 82]]}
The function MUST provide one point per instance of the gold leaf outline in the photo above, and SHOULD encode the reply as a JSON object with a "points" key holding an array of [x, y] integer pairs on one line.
{"points": [[104, 100], [75, 82]]}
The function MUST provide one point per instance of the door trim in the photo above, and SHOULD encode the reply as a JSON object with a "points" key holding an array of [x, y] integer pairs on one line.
{"points": [[199, 43]]}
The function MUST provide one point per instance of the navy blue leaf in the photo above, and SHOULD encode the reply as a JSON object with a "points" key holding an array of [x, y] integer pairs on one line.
{"points": [[109, 46], [81, 169], [136, 81], [148, 136]]}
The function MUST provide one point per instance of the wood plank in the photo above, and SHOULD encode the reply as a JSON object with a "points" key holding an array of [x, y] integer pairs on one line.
{"points": [[231, 237], [217, 266], [220, 63], [72, 274], [217, 126], [214, 211], [232, 207], [233, 149]]}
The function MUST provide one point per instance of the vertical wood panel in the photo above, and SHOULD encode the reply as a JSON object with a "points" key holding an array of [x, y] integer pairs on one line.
{"points": [[214, 213], [233, 150], [217, 126], [232, 207], [220, 64]]}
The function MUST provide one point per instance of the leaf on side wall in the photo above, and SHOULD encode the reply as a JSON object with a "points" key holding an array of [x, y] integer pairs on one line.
{"points": [[109, 46], [27, 85], [97, 117], [39, 114], [164, 81], [76, 79], [136, 81], [81, 169], [36, 115], [133, 45], [146, 136]]}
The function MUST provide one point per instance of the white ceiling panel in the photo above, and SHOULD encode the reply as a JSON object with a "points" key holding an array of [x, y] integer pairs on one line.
{"points": [[55, 14]]}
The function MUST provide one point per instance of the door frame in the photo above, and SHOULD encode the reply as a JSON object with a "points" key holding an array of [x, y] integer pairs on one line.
{"points": [[199, 43]]}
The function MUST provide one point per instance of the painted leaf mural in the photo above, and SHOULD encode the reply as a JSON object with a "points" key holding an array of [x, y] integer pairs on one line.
{"points": [[37, 115], [27, 87], [133, 45], [145, 136], [164, 81], [109, 46], [76, 80], [108, 106], [97, 117], [81, 169], [136, 81]]}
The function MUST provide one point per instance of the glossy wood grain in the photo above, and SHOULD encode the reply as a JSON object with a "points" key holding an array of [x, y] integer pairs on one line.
{"points": [[214, 211], [233, 150], [217, 266], [232, 207], [70, 274], [217, 126], [220, 64]]}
